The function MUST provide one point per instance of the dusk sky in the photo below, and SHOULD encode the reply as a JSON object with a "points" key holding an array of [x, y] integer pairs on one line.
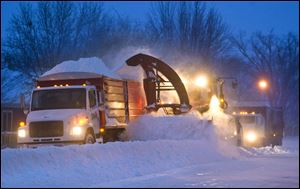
{"points": [[281, 16]]}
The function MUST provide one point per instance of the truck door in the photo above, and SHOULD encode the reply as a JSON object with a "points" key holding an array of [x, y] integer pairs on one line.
{"points": [[94, 110]]}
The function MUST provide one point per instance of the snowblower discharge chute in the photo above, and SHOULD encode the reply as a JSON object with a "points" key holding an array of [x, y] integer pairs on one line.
{"points": [[160, 77]]}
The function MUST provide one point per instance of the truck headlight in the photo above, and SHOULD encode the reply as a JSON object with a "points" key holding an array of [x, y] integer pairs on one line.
{"points": [[251, 136], [76, 131], [21, 133]]}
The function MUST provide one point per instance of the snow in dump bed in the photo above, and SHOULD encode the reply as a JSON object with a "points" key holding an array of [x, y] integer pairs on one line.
{"points": [[91, 65]]}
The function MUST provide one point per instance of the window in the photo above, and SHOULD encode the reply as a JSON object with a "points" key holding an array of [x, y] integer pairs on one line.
{"points": [[92, 98], [247, 119], [58, 99]]}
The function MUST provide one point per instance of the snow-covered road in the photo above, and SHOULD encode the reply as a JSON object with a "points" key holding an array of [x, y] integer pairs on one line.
{"points": [[160, 163], [280, 169]]}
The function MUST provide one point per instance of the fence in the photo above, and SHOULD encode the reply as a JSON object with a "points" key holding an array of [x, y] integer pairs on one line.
{"points": [[8, 139]]}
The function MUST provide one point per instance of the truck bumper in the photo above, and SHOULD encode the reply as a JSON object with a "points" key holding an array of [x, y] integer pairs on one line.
{"points": [[57, 143]]}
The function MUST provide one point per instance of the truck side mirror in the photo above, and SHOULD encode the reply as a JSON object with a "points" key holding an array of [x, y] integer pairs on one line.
{"points": [[22, 101], [22, 104]]}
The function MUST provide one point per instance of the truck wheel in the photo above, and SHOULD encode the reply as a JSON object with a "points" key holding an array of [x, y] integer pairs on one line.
{"points": [[89, 139]]}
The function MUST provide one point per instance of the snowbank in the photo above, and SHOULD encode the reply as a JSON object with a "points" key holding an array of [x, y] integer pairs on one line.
{"points": [[91, 65], [156, 126], [189, 126], [158, 143], [87, 165]]}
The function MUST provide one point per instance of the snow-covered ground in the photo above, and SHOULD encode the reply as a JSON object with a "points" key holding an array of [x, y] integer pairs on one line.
{"points": [[178, 151]]}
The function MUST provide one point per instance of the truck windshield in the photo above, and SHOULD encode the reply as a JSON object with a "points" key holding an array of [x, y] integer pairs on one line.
{"points": [[247, 119], [58, 99]]}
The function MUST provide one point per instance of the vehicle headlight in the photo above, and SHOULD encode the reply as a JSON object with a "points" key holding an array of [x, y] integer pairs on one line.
{"points": [[21, 133], [76, 130], [251, 136]]}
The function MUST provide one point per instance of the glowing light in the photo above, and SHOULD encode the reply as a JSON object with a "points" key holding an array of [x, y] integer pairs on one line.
{"points": [[251, 136], [201, 81], [235, 133], [253, 113], [234, 113], [274, 134], [61, 85], [101, 130], [22, 123], [84, 84], [38, 87], [76, 131], [21, 133], [83, 121], [55, 85], [67, 84], [262, 84], [214, 105]]}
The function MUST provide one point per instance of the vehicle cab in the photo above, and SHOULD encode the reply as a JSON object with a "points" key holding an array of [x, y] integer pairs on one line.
{"points": [[252, 131], [61, 114]]}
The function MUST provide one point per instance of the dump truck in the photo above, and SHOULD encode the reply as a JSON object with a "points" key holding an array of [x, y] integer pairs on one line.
{"points": [[84, 106], [79, 108]]}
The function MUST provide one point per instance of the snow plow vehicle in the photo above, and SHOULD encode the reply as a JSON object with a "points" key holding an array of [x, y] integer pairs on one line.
{"points": [[82, 101], [259, 125], [247, 123]]}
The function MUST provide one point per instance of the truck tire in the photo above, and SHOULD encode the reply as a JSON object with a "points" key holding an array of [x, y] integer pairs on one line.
{"points": [[89, 138]]}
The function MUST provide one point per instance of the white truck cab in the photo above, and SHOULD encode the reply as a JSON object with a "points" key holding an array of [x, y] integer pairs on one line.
{"points": [[252, 129], [61, 114]]}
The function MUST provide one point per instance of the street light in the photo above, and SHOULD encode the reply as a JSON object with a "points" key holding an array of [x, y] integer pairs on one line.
{"points": [[263, 84]]}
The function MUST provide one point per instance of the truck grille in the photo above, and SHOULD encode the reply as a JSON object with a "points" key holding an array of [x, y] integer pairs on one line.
{"points": [[46, 129]]}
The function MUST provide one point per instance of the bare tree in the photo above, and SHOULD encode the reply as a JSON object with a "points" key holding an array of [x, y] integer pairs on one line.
{"points": [[161, 25], [53, 32], [276, 59], [190, 28]]}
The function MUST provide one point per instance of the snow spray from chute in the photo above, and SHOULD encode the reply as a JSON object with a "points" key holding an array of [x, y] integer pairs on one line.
{"points": [[193, 125], [190, 126]]}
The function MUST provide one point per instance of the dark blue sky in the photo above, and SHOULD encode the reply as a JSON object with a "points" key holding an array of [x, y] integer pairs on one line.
{"points": [[282, 16]]}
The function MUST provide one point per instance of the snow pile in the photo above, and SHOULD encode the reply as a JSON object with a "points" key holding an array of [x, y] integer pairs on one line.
{"points": [[91, 65], [288, 147], [268, 150], [211, 126], [156, 126], [88, 165]]}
